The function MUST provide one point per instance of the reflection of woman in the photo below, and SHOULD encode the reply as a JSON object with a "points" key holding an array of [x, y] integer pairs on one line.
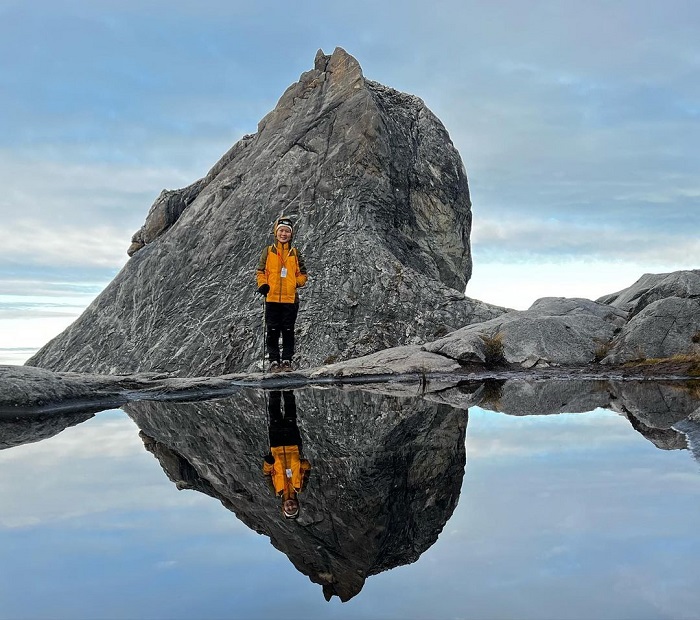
{"points": [[285, 465]]}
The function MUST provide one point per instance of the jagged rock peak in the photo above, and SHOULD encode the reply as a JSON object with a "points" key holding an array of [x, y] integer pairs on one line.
{"points": [[380, 200]]}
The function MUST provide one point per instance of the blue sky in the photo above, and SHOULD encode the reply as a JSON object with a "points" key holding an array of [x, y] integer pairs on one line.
{"points": [[578, 124]]}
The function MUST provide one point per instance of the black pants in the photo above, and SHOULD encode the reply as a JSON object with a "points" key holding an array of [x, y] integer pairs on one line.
{"points": [[283, 428], [280, 319]]}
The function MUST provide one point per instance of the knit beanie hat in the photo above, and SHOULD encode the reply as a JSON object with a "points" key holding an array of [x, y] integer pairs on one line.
{"points": [[283, 221]]}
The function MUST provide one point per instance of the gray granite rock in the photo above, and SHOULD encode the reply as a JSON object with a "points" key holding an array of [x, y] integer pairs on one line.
{"points": [[25, 389], [22, 386], [576, 306], [653, 287], [552, 332], [397, 360], [662, 329], [381, 203]]}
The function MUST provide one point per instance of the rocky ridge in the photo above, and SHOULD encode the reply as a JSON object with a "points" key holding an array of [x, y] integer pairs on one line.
{"points": [[658, 317]]}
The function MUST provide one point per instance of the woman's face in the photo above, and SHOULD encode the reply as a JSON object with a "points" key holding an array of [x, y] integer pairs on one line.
{"points": [[290, 507], [283, 234]]}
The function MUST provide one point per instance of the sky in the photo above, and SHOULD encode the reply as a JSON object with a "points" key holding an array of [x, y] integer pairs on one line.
{"points": [[578, 125]]}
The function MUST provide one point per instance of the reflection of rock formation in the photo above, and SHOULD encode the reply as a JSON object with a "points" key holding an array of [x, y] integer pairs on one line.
{"points": [[656, 409], [691, 429], [30, 429], [386, 475]]}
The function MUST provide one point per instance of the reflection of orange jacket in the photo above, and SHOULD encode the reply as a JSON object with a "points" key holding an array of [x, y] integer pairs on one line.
{"points": [[288, 472], [283, 269]]}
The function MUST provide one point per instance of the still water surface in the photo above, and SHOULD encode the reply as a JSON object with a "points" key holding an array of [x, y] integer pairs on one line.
{"points": [[417, 506]]}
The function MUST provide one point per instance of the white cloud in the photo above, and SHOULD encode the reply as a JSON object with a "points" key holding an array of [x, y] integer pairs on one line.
{"points": [[518, 283], [40, 243], [532, 237], [109, 447]]}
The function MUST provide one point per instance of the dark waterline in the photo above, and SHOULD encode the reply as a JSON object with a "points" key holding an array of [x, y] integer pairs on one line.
{"points": [[575, 515]]}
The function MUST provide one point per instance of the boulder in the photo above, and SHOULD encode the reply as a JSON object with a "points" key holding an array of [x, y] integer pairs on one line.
{"points": [[662, 329], [412, 359], [382, 212], [554, 331], [563, 306]]}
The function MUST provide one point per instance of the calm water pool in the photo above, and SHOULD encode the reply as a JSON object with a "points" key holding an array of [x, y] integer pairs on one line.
{"points": [[425, 506]]}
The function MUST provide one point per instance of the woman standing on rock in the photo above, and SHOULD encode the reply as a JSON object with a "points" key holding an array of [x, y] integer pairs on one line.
{"points": [[281, 270]]}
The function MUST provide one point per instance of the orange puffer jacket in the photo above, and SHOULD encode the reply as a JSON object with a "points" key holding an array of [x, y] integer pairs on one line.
{"points": [[288, 471], [283, 269]]}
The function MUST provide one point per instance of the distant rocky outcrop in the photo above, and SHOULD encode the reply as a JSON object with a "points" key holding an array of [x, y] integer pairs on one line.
{"points": [[381, 203], [658, 317], [554, 331], [664, 321]]}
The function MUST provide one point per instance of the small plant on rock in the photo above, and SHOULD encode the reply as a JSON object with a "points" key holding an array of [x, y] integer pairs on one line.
{"points": [[493, 349], [602, 349]]}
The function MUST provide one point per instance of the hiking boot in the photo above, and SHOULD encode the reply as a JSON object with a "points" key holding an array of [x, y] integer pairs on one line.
{"points": [[275, 367], [286, 365]]}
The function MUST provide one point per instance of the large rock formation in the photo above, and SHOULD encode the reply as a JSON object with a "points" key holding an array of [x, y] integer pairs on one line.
{"points": [[383, 219]]}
